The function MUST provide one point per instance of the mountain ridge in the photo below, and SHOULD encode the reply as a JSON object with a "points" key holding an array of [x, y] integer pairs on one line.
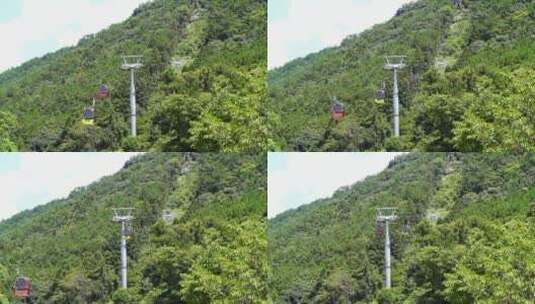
{"points": [[327, 252], [179, 89], [451, 54], [70, 247]]}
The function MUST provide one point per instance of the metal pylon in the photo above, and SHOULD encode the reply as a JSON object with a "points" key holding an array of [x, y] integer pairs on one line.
{"points": [[124, 217], [132, 63], [395, 63], [387, 215]]}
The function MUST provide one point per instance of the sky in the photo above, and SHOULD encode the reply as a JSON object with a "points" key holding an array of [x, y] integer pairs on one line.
{"points": [[299, 27], [33, 28], [32, 179], [295, 179]]}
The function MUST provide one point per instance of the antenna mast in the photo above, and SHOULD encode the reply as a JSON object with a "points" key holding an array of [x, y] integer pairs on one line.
{"points": [[132, 63], [125, 217], [395, 63], [386, 215]]}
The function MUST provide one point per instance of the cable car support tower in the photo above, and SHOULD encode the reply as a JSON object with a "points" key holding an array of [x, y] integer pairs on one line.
{"points": [[125, 217], [395, 63], [385, 216], [132, 63]]}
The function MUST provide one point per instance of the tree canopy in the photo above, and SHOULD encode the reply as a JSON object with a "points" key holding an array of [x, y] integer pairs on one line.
{"points": [[202, 86], [468, 85], [211, 250], [465, 234]]}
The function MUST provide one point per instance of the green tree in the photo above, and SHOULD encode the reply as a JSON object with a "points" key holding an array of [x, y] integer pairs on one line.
{"points": [[497, 267], [231, 267], [7, 127]]}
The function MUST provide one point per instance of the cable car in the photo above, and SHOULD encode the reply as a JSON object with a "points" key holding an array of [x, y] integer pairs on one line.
{"points": [[381, 95], [103, 92], [89, 116], [22, 288], [337, 110], [379, 228], [129, 230], [89, 113]]}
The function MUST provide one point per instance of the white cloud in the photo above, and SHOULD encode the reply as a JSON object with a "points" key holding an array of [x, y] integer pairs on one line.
{"points": [[62, 21], [42, 177], [312, 25], [305, 177]]}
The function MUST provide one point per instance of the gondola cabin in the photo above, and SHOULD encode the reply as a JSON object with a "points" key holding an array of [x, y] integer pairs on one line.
{"points": [[381, 94], [379, 229], [380, 97], [337, 111], [89, 113], [129, 230], [89, 116], [22, 288], [103, 92]]}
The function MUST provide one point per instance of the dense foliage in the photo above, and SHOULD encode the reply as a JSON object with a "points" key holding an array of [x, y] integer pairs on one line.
{"points": [[7, 125], [465, 235], [213, 251], [469, 84], [202, 87]]}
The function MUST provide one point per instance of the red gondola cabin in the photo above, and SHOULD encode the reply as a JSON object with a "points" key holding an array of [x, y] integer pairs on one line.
{"points": [[379, 228], [337, 111], [22, 288], [103, 92]]}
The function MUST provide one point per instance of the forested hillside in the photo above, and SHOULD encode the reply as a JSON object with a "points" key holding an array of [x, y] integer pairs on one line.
{"points": [[202, 87], [213, 251], [468, 86], [465, 234]]}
